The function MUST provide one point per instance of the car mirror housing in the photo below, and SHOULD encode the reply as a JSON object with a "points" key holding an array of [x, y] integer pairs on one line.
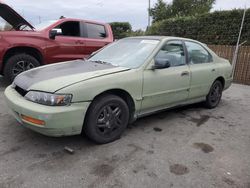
{"points": [[53, 34], [161, 64]]}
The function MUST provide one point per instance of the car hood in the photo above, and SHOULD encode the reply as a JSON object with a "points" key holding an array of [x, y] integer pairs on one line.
{"points": [[52, 78], [12, 17]]}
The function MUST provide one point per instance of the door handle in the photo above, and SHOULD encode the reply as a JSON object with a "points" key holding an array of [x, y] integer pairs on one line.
{"points": [[79, 42], [213, 70], [185, 73]]}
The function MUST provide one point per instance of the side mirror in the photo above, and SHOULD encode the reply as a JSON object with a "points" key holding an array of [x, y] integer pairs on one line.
{"points": [[161, 64], [103, 35], [52, 34]]}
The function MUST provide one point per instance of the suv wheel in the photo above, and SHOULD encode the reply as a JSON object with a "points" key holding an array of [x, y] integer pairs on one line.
{"points": [[106, 119], [18, 64]]}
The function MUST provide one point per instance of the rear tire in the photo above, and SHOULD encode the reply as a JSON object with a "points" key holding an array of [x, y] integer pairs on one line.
{"points": [[106, 119], [214, 96], [17, 64]]}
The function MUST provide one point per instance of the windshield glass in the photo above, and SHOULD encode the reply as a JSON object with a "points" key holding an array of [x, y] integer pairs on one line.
{"points": [[44, 25], [4, 26], [129, 53]]}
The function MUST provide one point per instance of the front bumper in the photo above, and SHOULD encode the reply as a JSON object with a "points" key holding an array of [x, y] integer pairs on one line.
{"points": [[59, 120]]}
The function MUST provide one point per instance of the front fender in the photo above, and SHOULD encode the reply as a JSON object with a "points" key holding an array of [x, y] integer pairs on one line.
{"points": [[129, 81]]}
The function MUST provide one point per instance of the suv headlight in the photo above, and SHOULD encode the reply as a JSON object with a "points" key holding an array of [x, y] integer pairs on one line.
{"points": [[49, 99]]}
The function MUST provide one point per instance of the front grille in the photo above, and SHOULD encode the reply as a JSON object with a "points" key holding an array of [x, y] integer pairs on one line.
{"points": [[21, 91]]}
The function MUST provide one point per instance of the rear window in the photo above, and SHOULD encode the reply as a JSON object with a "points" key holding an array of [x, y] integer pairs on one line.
{"points": [[96, 31]]}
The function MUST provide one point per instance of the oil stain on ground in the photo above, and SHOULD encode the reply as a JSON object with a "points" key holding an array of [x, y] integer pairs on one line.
{"points": [[102, 170], [229, 181], [206, 148], [200, 121], [178, 169], [156, 129]]}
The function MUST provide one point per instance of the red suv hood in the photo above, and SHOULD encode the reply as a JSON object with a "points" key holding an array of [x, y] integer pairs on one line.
{"points": [[12, 17]]}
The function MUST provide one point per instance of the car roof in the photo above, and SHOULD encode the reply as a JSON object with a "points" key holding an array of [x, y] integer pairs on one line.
{"points": [[83, 20], [162, 38]]}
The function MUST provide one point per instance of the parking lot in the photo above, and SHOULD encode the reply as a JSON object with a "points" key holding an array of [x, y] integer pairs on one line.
{"points": [[185, 147]]}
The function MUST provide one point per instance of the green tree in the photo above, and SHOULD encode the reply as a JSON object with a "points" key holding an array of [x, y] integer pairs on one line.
{"points": [[138, 32], [161, 11], [180, 8], [121, 29], [191, 7]]}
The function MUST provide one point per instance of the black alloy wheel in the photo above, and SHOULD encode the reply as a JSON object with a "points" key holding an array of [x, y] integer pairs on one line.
{"points": [[214, 96], [17, 64], [106, 119]]}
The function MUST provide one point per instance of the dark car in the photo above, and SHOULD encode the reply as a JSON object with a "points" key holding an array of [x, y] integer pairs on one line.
{"points": [[23, 46]]}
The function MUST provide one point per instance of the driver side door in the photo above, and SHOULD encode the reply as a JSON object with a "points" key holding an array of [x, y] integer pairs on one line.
{"points": [[166, 87], [68, 44]]}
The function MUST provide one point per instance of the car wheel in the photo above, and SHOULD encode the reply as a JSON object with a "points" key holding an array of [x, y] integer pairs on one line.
{"points": [[106, 119], [18, 64], [214, 96]]}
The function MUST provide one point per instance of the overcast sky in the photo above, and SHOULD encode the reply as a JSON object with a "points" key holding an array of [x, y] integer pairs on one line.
{"points": [[133, 11]]}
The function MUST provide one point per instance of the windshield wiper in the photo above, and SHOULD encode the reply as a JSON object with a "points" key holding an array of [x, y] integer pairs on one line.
{"points": [[102, 62]]}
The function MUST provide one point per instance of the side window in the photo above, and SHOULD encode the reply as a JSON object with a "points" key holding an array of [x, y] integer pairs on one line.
{"points": [[197, 54], [71, 29], [173, 52], [96, 31]]}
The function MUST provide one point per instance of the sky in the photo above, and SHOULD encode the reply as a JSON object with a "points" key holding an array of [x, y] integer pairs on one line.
{"points": [[133, 11]]}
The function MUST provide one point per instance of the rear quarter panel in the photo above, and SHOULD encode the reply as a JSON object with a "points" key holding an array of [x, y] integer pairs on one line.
{"points": [[224, 70]]}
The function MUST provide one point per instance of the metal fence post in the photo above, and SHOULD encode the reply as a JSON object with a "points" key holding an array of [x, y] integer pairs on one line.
{"points": [[238, 44]]}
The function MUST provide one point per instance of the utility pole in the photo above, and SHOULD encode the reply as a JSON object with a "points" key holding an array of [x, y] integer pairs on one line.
{"points": [[149, 7], [238, 43]]}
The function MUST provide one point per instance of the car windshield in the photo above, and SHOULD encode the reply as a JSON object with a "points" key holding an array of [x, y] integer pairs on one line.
{"points": [[4, 25], [44, 25], [130, 53]]}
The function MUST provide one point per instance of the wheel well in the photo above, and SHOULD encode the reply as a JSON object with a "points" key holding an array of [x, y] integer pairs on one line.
{"points": [[18, 50], [222, 80], [126, 97]]}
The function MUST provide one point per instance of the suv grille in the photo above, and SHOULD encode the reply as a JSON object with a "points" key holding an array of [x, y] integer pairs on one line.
{"points": [[21, 91]]}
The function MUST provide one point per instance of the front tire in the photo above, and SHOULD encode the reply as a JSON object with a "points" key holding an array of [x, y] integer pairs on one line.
{"points": [[214, 96], [106, 119], [17, 64]]}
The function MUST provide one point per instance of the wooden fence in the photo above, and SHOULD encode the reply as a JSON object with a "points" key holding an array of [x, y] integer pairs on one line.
{"points": [[242, 70]]}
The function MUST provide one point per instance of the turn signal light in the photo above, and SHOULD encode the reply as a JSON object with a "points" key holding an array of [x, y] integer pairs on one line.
{"points": [[33, 120]]}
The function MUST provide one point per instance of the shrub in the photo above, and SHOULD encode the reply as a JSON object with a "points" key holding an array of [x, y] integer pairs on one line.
{"points": [[220, 27]]}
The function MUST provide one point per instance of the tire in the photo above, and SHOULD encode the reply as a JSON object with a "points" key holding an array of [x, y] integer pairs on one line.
{"points": [[107, 119], [19, 63], [214, 96]]}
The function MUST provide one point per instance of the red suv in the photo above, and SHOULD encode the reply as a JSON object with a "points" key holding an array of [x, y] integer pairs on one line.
{"points": [[23, 46]]}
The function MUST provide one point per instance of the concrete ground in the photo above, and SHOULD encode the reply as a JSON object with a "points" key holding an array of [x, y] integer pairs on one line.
{"points": [[186, 147]]}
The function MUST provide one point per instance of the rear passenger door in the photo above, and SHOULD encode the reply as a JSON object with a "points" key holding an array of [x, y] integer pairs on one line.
{"points": [[95, 35], [202, 67]]}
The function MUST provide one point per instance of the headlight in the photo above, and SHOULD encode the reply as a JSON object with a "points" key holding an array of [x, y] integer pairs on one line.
{"points": [[48, 98]]}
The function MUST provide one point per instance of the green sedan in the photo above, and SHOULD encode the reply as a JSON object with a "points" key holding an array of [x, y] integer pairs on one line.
{"points": [[126, 80]]}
